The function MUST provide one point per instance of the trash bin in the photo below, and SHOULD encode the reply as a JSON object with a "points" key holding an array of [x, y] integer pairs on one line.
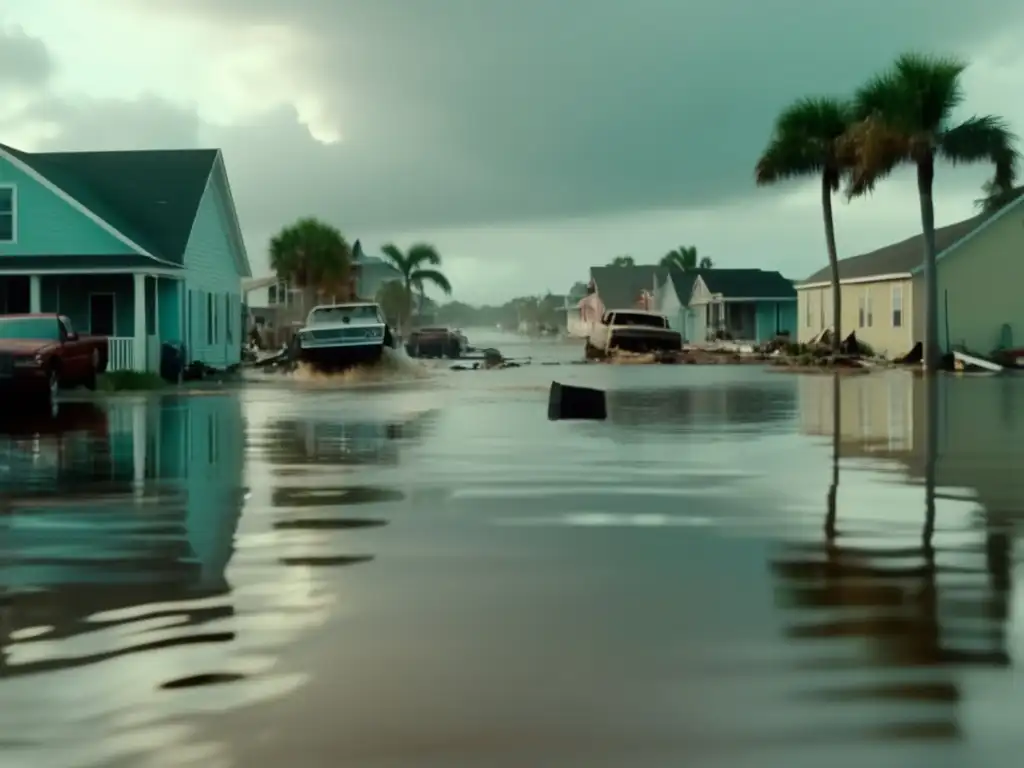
{"points": [[172, 360]]}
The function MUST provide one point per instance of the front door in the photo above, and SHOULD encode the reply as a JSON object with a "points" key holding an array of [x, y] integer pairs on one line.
{"points": [[101, 314]]}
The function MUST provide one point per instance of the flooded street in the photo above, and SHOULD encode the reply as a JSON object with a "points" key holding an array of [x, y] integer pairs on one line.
{"points": [[427, 573]]}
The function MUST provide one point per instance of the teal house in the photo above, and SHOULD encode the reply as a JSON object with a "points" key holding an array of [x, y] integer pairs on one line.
{"points": [[143, 247], [747, 305]]}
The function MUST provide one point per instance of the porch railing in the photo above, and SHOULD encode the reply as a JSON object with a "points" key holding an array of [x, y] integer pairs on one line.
{"points": [[121, 353]]}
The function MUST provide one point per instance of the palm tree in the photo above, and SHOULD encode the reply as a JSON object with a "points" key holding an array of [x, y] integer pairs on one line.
{"points": [[905, 117], [416, 267], [622, 261], [394, 301], [808, 140], [313, 256], [994, 198], [684, 257]]}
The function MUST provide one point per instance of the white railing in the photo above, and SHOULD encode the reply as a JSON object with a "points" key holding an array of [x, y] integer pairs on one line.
{"points": [[121, 353]]}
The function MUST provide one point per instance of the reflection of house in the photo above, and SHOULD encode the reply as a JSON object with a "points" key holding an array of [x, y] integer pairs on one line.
{"points": [[979, 270], [142, 247], [165, 495]]}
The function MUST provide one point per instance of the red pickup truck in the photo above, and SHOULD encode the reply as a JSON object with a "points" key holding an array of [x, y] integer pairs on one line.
{"points": [[40, 354]]}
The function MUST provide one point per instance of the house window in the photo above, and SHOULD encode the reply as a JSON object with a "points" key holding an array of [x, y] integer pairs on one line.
{"points": [[862, 310], [897, 306], [870, 310], [8, 214], [821, 310], [809, 311], [227, 316], [272, 295], [209, 319]]}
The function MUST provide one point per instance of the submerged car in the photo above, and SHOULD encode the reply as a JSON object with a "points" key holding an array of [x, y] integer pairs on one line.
{"points": [[632, 330], [340, 336], [436, 341]]}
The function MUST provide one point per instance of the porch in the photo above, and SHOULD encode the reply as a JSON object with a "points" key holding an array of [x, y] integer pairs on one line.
{"points": [[135, 311], [739, 320]]}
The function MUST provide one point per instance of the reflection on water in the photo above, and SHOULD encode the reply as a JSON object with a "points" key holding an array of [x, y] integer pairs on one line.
{"points": [[728, 572]]}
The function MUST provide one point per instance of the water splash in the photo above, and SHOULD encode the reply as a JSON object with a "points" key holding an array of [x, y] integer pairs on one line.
{"points": [[394, 366]]}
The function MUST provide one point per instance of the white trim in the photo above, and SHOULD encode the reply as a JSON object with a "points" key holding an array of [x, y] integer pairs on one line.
{"points": [[14, 213], [163, 272], [236, 227], [857, 280], [113, 309], [102, 224], [976, 231]]}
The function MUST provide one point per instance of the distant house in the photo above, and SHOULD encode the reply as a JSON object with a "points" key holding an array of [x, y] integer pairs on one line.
{"points": [[980, 271], [143, 247], [746, 304], [672, 293], [626, 287]]}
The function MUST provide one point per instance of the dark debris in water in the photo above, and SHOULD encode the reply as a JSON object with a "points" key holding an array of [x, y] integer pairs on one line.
{"points": [[326, 523], [327, 561], [206, 678], [325, 497]]}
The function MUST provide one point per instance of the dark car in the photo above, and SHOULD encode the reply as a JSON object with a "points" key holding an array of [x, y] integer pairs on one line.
{"points": [[435, 341], [41, 354]]}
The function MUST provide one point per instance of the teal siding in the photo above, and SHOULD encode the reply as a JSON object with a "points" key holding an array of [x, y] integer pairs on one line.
{"points": [[213, 300], [48, 226], [169, 309], [69, 295], [775, 316]]}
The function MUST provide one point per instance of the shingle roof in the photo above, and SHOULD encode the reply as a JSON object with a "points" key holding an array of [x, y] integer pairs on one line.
{"points": [[620, 287], [682, 281], [903, 256], [748, 283], [150, 196]]}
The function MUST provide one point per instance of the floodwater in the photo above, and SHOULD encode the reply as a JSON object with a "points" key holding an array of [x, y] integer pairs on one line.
{"points": [[424, 571]]}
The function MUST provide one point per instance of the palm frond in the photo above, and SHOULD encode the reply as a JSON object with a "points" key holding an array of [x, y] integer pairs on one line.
{"points": [[422, 255], [804, 140], [980, 139], [917, 94], [393, 255], [786, 158], [422, 277], [871, 150]]}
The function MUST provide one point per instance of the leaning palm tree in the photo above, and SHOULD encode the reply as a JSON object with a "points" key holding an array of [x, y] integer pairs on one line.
{"points": [[313, 255], [807, 141], [994, 197], [417, 269], [905, 117]]}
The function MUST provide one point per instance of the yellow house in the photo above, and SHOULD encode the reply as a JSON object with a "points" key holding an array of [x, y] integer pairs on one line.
{"points": [[980, 273]]}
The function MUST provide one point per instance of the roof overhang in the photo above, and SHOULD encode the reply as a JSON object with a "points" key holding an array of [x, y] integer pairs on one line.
{"points": [[241, 254], [858, 280]]}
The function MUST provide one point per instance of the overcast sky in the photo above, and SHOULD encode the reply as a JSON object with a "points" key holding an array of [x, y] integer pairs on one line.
{"points": [[527, 139]]}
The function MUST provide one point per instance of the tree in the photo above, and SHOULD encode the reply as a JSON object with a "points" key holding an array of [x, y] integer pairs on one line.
{"points": [[994, 198], [313, 256], [394, 301], [622, 261], [808, 140], [685, 258], [904, 116], [705, 263], [417, 268]]}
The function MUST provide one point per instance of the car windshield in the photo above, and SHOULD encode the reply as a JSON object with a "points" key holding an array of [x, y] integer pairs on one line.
{"points": [[637, 318], [41, 328], [344, 314]]}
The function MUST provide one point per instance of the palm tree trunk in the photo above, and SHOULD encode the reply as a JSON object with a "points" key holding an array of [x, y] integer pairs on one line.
{"points": [[833, 261], [833, 488], [925, 176]]}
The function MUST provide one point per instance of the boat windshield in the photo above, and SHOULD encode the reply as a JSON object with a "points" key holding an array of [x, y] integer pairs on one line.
{"points": [[360, 313]]}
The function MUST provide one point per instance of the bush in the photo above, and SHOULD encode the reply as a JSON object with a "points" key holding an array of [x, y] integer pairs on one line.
{"points": [[129, 381]]}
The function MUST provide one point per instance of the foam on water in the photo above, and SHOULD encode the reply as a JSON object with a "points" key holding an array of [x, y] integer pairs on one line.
{"points": [[395, 365]]}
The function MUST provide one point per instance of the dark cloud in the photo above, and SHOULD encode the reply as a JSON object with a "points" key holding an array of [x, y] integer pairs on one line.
{"points": [[24, 60], [462, 111]]}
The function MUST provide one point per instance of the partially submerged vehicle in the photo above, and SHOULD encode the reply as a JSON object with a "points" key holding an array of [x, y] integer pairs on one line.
{"points": [[436, 341], [632, 330], [340, 336]]}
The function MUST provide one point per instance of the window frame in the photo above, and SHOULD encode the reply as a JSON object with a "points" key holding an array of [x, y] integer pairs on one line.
{"points": [[13, 213], [896, 315]]}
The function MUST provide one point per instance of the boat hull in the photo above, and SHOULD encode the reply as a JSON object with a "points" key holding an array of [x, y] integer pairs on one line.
{"points": [[334, 359]]}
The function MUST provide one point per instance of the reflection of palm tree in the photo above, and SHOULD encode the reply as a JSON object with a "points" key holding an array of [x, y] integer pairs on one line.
{"points": [[872, 593]]}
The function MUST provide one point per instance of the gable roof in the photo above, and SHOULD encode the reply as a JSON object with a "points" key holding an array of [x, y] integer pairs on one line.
{"points": [[682, 283], [620, 287], [748, 284], [906, 256], [146, 198]]}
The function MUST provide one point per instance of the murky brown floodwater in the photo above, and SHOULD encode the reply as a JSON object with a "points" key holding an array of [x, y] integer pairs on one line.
{"points": [[428, 573]]}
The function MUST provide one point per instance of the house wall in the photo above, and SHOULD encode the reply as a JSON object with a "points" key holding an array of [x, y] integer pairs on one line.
{"points": [[258, 297], [666, 301], [814, 314], [49, 226], [213, 294], [980, 287], [775, 316]]}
